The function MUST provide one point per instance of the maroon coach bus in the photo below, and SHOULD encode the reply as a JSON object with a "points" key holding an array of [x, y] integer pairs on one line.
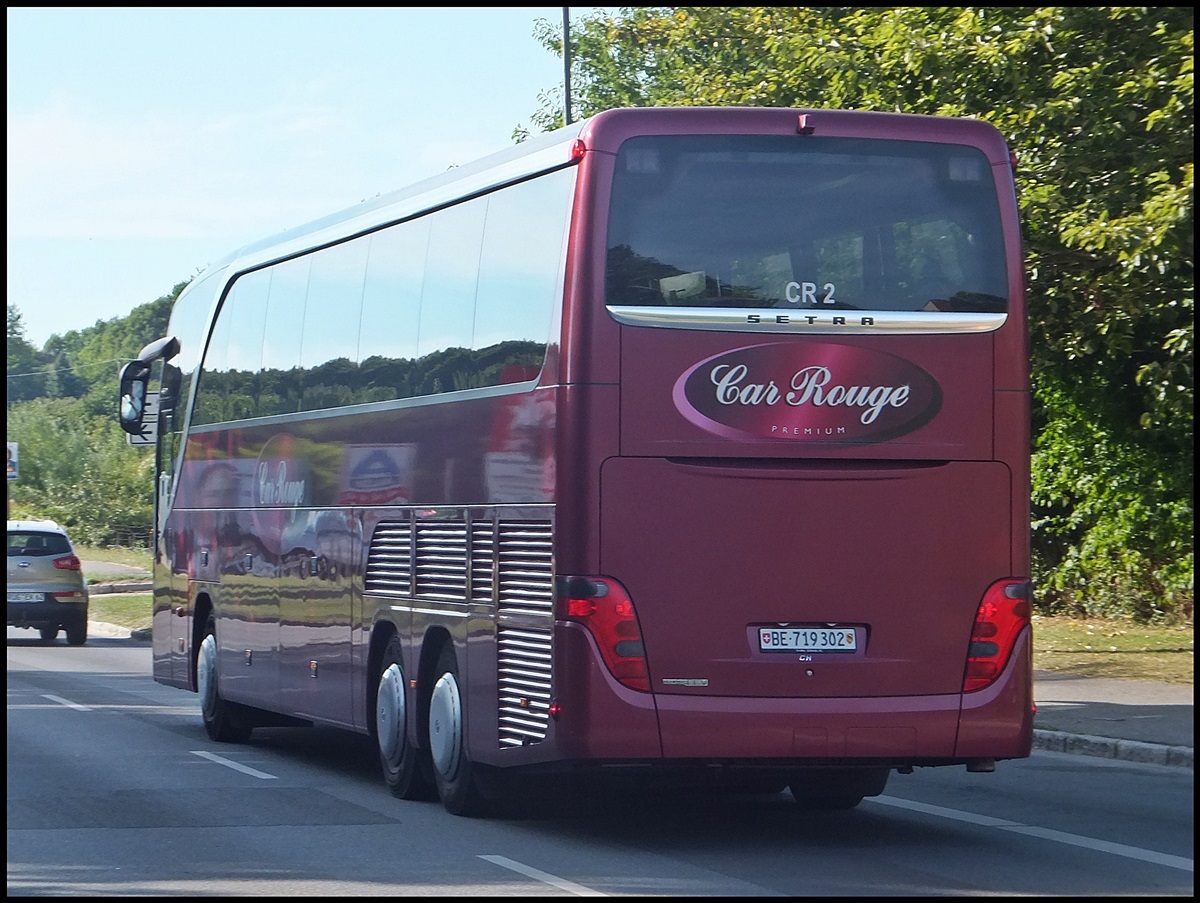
{"points": [[689, 441]]}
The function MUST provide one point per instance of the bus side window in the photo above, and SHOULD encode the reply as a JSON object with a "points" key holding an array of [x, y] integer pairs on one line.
{"points": [[333, 309], [448, 296], [214, 371], [520, 274], [281, 379], [391, 311], [247, 312]]}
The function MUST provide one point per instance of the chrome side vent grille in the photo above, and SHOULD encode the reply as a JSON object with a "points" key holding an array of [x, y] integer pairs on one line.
{"points": [[525, 575], [441, 569], [389, 560], [523, 658], [483, 560]]}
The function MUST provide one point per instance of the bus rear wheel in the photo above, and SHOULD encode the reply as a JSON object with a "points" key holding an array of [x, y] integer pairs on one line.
{"points": [[453, 770], [406, 769], [837, 788], [221, 718]]}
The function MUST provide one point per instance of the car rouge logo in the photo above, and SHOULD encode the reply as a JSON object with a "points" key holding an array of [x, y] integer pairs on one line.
{"points": [[280, 487], [818, 393], [281, 476]]}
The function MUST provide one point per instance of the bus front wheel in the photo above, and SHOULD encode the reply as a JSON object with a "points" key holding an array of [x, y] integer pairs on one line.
{"points": [[406, 770], [453, 770], [221, 718]]}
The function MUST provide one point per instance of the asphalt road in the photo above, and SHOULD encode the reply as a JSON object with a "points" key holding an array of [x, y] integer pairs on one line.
{"points": [[115, 790]]}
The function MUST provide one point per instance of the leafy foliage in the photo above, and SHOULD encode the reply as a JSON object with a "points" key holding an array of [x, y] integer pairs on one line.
{"points": [[1097, 495], [75, 465], [25, 377], [1097, 103]]}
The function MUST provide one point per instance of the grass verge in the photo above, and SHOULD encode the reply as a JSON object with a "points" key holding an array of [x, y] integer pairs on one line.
{"points": [[138, 558], [1096, 647], [132, 610], [1088, 648]]}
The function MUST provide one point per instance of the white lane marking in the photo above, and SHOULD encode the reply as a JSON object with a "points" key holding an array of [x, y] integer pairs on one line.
{"points": [[570, 887], [1075, 840], [152, 708], [1104, 846], [236, 766], [72, 705]]}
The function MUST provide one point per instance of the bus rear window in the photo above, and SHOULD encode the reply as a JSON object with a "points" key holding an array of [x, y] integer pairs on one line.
{"points": [[804, 223]]}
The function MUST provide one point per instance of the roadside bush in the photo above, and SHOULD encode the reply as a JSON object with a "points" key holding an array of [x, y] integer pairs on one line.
{"points": [[1113, 518]]}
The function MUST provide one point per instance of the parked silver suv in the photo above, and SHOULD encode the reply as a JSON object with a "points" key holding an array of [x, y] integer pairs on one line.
{"points": [[46, 589]]}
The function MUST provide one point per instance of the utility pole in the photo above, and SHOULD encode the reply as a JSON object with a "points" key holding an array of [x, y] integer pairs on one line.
{"points": [[566, 65]]}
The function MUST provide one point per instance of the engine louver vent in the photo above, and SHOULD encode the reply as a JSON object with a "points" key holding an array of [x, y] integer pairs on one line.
{"points": [[441, 571], [389, 561], [483, 560], [526, 567], [524, 659]]}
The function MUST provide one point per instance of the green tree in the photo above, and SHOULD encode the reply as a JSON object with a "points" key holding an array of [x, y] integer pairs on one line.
{"points": [[76, 466], [1097, 102], [26, 378], [80, 472], [100, 350]]}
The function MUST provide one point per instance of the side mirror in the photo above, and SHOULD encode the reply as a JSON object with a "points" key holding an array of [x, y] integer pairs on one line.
{"points": [[135, 382], [166, 348], [134, 379]]}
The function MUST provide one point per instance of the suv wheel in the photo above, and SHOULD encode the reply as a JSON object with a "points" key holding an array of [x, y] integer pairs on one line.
{"points": [[76, 633]]}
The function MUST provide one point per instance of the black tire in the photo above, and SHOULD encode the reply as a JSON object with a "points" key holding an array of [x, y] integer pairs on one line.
{"points": [[48, 634], [757, 783], [221, 718], [407, 771], [831, 789], [77, 633], [453, 771]]}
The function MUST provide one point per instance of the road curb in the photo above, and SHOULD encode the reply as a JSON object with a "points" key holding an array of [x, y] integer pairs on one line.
{"points": [[1111, 748], [104, 588], [103, 629]]}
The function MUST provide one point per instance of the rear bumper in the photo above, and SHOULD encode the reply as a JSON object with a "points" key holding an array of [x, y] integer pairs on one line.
{"points": [[46, 614], [611, 723], [993, 723]]}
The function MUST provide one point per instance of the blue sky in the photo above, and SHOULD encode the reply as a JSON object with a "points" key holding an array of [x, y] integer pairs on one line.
{"points": [[143, 143]]}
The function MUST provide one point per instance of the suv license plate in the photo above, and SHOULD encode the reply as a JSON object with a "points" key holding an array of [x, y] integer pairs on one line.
{"points": [[26, 597], [807, 639]]}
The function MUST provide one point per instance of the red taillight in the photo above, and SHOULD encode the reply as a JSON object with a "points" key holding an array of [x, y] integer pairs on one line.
{"points": [[605, 609], [578, 149], [68, 563], [1002, 615]]}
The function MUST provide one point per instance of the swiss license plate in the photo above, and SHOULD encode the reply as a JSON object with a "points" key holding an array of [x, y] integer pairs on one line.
{"points": [[807, 638], [26, 597]]}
